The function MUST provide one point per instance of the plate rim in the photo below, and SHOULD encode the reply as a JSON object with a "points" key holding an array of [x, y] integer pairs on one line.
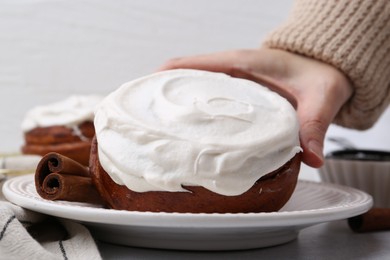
{"points": [[179, 220]]}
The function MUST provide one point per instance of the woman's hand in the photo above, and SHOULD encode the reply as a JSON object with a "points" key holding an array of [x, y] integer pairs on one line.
{"points": [[316, 89]]}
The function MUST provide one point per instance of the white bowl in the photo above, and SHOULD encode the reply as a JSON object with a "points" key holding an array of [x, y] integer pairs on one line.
{"points": [[366, 170]]}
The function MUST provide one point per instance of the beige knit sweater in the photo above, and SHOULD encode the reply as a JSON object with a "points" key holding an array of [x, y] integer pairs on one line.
{"points": [[353, 36]]}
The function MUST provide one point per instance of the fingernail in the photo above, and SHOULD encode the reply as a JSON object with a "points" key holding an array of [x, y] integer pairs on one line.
{"points": [[316, 148]]}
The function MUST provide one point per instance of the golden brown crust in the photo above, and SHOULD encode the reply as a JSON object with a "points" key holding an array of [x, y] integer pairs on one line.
{"points": [[78, 151], [61, 139], [268, 194], [59, 134], [50, 135], [87, 129]]}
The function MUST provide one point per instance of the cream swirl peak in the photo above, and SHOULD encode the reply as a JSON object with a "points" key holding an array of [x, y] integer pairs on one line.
{"points": [[196, 128], [69, 112]]}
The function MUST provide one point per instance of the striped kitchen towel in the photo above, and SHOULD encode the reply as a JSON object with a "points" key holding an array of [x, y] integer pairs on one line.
{"points": [[25, 234]]}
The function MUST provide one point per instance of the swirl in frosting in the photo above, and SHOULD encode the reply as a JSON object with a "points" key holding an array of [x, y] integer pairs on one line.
{"points": [[196, 128]]}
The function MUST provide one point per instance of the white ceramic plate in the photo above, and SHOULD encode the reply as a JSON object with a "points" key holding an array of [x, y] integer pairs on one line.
{"points": [[311, 203]]}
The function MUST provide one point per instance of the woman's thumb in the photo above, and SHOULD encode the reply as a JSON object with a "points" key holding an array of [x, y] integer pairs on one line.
{"points": [[312, 135]]}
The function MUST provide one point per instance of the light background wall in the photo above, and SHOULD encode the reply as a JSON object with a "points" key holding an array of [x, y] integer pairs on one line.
{"points": [[50, 49]]}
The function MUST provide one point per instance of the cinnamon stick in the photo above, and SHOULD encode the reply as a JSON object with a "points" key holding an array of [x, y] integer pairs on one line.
{"points": [[58, 177], [376, 219]]}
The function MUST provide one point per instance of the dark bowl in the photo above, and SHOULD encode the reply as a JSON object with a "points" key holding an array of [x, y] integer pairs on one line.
{"points": [[360, 155], [367, 170]]}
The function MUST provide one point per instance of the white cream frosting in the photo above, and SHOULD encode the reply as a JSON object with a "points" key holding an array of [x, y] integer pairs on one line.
{"points": [[69, 112], [191, 127]]}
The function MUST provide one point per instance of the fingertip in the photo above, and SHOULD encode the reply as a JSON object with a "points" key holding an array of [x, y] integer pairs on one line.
{"points": [[313, 154], [173, 63]]}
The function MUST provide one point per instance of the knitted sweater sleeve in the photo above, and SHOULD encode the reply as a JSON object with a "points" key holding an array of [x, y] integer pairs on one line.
{"points": [[353, 36]]}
